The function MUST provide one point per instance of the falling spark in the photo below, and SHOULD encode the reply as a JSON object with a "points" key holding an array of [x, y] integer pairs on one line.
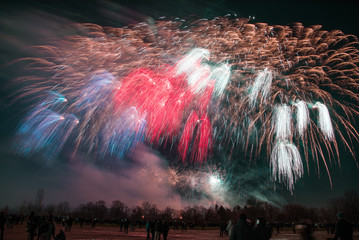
{"points": [[302, 117], [262, 84], [324, 121], [286, 164], [103, 72], [283, 122], [221, 75]]}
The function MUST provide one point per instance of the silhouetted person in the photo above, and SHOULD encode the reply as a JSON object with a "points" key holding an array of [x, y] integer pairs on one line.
{"points": [[277, 227], [306, 232], [261, 231], [165, 230], [2, 224], [126, 226], [121, 225], [184, 226], [81, 220], [46, 229], [148, 230], [68, 224], [158, 230], [332, 228], [31, 226], [51, 227], [60, 235], [43, 229], [93, 223], [242, 230], [222, 227], [152, 227], [344, 230]]}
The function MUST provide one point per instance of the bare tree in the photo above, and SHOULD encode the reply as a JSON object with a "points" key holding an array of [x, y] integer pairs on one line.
{"points": [[168, 213], [100, 209], [62, 208], [150, 210], [118, 210], [50, 209]]}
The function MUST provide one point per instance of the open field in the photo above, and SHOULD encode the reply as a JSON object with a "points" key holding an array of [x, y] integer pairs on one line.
{"points": [[113, 233]]}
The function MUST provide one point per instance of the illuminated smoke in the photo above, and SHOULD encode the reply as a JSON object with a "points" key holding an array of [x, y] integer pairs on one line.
{"points": [[202, 184]]}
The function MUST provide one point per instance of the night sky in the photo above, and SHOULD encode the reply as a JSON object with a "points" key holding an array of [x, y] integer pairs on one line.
{"points": [[24, 24]]}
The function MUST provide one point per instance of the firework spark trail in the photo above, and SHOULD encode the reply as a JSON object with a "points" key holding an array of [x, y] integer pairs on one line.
{"points": [[149, 93], [45, 132], [262, 84], [162, 97], [302, 117], [324, 121], [288, 64], [124, 134], [53, 99], [203, 140], [221, 75], [283, 122], [96, 92], [191, 61], [286, 164], [186, 137], [199, 78]]}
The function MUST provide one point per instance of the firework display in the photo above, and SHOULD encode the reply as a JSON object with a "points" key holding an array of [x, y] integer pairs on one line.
{"points": [[289, 93]]}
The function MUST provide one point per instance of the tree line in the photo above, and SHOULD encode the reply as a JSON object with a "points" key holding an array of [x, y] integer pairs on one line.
{"points": [[290, 213]]}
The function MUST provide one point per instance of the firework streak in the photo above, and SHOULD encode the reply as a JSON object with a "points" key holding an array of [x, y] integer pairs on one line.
{"points": [[282, 91]]}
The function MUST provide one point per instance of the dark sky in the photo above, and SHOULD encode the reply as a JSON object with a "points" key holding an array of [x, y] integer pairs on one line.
{"points": [[20, 178]]}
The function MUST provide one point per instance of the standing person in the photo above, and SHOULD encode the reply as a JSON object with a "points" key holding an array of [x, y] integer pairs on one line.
{"points": [[51, 228], [152, 227], [121, 225], [148, 230], [126, 226], [2, 224], [222, 227], [277, 227], [46, 229], [261, 231], [43, 229], [242, 230], [93, 223], [306, 232], [165, 230], [158, 230], [31, 226], [81, 220], [343, 229], [68, 224]]}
